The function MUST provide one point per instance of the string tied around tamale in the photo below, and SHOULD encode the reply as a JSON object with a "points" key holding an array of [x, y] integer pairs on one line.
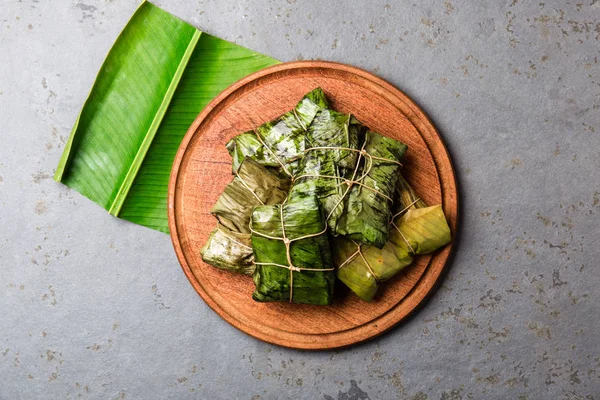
{"points": [[273, 154], [281, 163], [302, 125], [288, 242], [399, 213], [243, 182], [234, 240], [353, 180], [359, 252]]}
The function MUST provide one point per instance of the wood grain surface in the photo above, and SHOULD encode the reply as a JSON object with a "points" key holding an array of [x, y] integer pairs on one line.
{"points": [[202, 169]]}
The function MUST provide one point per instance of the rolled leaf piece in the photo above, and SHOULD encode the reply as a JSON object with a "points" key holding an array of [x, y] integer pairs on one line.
{"points": [[368, 204], [228, 250], [309, 278], [418, 230], [253, 185], [327, 162], [281, 142]]}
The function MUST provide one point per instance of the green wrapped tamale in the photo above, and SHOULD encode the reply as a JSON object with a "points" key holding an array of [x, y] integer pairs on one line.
{"points": [[417, 229], [281, 142], [368, 205], [228, 246], [253, 185], [231, 251], [302, 272], [323, 168]]}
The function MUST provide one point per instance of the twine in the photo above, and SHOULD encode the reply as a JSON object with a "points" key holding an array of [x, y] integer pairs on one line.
{"points": [[399, 213], [304, 128], [358, 252], [361, 153], [272, 153], [405, 209], [232, 239], [287, 242], [248, 187]]}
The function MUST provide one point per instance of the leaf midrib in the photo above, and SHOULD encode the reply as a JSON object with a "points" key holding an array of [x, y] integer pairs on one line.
{"points": [[117, 203]]}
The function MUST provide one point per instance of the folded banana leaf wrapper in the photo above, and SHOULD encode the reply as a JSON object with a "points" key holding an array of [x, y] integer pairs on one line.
{"points": [[418, 230], [281, 142], [368, 205], [301, 219], [228, 246], [327, 161]]}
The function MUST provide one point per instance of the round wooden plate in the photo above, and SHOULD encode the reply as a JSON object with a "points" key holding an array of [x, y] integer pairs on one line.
{"points": [[202, 168]]}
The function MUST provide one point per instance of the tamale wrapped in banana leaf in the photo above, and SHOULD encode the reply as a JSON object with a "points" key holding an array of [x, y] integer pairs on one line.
{"points": [[228, 250], [299, 270], [253, 185], [228, 246], [368, 204], [281, 142], [416, 229], [327, 161]]}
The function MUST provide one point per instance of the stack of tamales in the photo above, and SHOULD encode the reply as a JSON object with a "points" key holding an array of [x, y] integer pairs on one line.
{"points": [[316, 195]]}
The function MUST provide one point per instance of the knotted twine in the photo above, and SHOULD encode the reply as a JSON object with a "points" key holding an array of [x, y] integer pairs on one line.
{"points": [[287, 242]]}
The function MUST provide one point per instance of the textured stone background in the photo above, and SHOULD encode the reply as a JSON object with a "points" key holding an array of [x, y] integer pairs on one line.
{"points": [[94, 307]]}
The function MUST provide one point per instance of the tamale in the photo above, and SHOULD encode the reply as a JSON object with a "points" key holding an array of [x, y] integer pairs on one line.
{"points": [[281, 142], [229, 250], [301, 273], [327, 161], [228, 246], [368, 205], [417, 229], [253, 185]]}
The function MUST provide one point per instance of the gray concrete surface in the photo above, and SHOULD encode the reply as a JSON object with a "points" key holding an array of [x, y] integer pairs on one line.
{"points": [[93, 307]]}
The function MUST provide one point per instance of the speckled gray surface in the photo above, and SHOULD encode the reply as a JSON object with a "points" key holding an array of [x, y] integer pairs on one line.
{"points": [[94, 307]]}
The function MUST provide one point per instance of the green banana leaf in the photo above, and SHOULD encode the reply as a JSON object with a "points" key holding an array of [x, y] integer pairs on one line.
{"points": [[322, 171], [160, 73], [229, 250], [279, 143], [301, 217], [253, 185], [419, 230], [367, 214]]}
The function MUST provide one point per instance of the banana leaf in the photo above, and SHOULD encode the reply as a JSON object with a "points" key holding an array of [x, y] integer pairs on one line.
{"points": [[229, 250], [301, 217], [367, 213], [279, 143], [253, 185], [160, 73], [420, 230], [322, 171]]}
